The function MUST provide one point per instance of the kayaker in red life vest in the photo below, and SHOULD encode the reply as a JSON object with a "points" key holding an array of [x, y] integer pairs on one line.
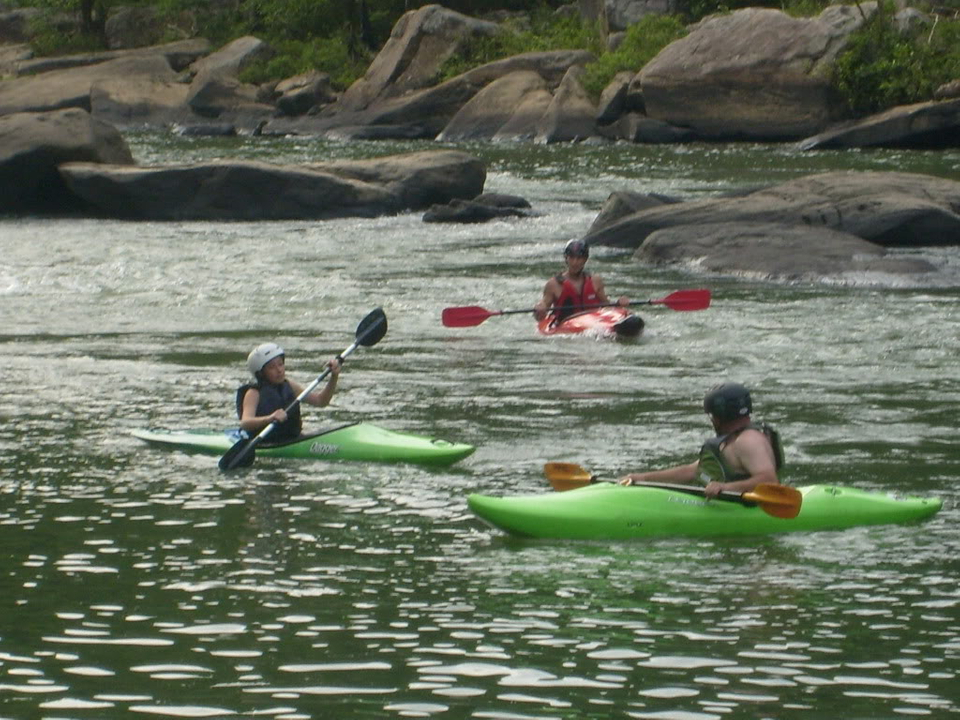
{"points": [[573, 288], [740, 457], [264, 402]]}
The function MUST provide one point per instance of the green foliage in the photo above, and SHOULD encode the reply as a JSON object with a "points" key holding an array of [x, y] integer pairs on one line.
{"points": [[882, 67], [641, 44], [329, 55], [546, 31]]}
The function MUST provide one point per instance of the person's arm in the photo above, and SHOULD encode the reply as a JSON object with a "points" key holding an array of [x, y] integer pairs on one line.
{"points": [[753, 453], [551, 291], [678, 475], [250, 421], [322, 398], [601, 292]]}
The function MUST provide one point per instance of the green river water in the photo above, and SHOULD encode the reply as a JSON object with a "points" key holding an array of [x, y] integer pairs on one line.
{"points": [[137, 582]]}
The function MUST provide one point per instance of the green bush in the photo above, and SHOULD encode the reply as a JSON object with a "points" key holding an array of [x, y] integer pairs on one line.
{"points": [[329, 55], [881, 67], [641, 44]]}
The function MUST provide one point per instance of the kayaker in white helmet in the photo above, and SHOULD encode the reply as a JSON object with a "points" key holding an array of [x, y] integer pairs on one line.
{"points": [[574, 287], [264, 402], [743, 454]]}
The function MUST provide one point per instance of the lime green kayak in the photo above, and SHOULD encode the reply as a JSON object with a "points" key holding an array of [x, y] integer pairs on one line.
{"points": [[610, 511], [357, 441]]}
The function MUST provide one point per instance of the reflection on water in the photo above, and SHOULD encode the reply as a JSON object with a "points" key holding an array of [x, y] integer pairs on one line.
{"points": [[135, 580]]}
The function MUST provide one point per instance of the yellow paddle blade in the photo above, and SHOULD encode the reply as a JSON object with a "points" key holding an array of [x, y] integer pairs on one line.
{"points": [[777, 500], [570, 472]]}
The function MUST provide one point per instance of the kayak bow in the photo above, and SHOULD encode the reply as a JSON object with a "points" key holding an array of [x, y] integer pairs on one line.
{"points": [[601, 322]]}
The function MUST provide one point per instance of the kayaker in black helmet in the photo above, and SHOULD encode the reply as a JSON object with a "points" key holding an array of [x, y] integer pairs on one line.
{"points": [[264, 402], [574, 287], [741, 456]]}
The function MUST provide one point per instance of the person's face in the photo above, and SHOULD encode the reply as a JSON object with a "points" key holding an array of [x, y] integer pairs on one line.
{"points": [[274, 371], [575, 263]]}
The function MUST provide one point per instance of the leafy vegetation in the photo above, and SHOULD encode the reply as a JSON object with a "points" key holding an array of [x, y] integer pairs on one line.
{"points": [[883, 66]]}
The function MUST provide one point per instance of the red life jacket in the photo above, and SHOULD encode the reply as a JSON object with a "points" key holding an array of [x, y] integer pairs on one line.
{"points": [[571, 301]]}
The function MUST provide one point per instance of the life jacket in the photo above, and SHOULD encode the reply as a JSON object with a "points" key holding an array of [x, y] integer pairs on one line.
{"points": [[712, 465], [275, 397], [570, 300]]}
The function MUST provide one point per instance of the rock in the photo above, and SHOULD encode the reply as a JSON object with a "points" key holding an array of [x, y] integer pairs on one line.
{"points": [[142, 25], [502, 200], [622, 203], [249, 190], [421, 41], [933, 124], [522, 125], [212, 95], [135, 101], [570, 116], [948, 91], [233, 58], [490, 109], [621, 14], [208, 130], [470, 211], [773, 251], [301, 93], [638, 128], [179, 55], [613, 99], [886, 208], [754, 74], [15, 24], [32, 145]]}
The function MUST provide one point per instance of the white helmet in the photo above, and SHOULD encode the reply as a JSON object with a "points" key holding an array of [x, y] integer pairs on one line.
{"points": [[261, 355]]}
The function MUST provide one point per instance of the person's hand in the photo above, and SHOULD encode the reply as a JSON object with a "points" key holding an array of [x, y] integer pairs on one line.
{"points": [[334, 366], [624, 301], [540, 310], [712, 490], [626, 480], [278, 416]]}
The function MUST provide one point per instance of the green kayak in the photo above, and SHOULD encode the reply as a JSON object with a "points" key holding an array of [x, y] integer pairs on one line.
{"points": [[356, 441], [610, 511]]}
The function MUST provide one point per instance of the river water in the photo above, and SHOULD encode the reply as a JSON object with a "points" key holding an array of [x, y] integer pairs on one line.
{"points": [[137, 582]]}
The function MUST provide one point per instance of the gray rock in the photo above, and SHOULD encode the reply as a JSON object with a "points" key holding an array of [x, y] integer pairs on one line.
{"points": [[933, 124], [886, 208], [470, 211], [522, 125], [490, 109], [613, 99], [622, 203], [571, 115], [301, 93], [753, 74], [33, 145], [248, 190], [773, 251], [179, 55], [233, 58]]}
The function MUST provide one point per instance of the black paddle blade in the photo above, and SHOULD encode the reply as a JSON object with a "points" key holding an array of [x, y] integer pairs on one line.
{"points": [[372, 328], [240, 455]]}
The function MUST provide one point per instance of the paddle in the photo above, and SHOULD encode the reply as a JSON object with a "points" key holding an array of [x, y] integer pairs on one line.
{"points": [[777, 500], [369, 332], [471, 315]]}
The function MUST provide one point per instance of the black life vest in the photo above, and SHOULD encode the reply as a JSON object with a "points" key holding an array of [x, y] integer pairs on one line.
{"points": [[713, 466], [275, 397]]}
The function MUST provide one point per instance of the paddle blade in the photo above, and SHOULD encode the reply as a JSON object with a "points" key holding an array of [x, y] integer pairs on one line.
{"points": [[777, 500], [468, 316], [685, 300], [372, 328], [567, 476], [240, 455]]}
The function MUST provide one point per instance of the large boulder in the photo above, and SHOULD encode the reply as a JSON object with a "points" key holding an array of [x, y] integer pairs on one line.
{"points": [[421, 41], [886, 208], [33, 145], [774, 251], [755, 74], [928, 125], [571, 115], [179, 55], [71, 88], [490, 109], [250, 190]]}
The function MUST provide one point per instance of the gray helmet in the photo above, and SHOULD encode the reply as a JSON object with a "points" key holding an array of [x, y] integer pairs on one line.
{"points": [[728, 401], [576, 248], [261, 355]]}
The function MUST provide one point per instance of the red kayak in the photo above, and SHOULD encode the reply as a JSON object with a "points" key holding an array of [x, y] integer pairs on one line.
{"points": [[600, 322]]}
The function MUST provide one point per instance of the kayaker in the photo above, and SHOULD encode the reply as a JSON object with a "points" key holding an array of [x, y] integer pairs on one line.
{"points": [[264, 402], [573, 288], [741, 456]]}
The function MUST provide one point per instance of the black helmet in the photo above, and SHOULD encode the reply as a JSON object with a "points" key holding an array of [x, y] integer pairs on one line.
{"points": [[576, 248], [728, 401]]}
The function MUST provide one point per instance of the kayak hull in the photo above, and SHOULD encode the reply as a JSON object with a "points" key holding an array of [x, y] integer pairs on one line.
{"points": [[601, 322], [610, 511], [362, 442]]}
